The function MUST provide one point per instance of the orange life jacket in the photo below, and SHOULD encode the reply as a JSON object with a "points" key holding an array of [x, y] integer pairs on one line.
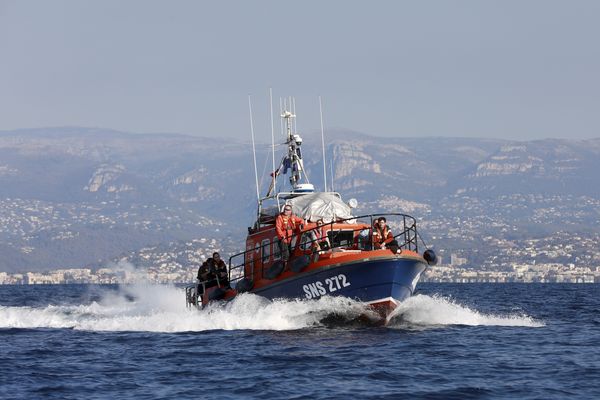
{"points": [[286, 226], [384, 236]]}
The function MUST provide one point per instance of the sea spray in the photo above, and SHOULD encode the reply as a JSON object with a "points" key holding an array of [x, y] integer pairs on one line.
{"points": [[160, 308], [434, 311]]}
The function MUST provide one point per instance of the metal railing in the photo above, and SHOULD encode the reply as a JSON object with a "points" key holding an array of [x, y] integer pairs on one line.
{"points": [[193, 292]]}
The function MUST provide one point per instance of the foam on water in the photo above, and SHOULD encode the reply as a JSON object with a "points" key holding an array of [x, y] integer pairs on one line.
{"points": [[427, 311], [161, 308]]}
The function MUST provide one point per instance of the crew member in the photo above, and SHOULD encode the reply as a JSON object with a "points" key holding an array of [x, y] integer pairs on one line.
{"points": [[319, 237], [287, 224], [220, 270], [213, 272], [206, 276], [382, 235]]}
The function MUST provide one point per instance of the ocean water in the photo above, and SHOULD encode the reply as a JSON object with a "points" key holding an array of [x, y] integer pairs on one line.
{"points": [[449, 341]]}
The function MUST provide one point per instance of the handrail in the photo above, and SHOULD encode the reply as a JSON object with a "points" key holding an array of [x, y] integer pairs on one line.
{"points": [[192, 293]]}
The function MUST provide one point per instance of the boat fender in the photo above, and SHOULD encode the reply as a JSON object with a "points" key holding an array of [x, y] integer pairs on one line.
{"points": [[274, 270], [244, 285], [216, 294], [430, 257], [299, 263]]}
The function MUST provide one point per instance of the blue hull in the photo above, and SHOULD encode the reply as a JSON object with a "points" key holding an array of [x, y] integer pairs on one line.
{"points": [[369, 281]]}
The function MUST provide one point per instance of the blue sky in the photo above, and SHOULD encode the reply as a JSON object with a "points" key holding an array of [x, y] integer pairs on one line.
{"points": [[503, 69]]}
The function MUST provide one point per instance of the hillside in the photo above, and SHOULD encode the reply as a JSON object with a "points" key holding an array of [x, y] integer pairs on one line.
{"points": [[77, 196]]}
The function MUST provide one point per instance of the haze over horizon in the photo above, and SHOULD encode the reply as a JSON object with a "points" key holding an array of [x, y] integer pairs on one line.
{"points": [[513, 70]]}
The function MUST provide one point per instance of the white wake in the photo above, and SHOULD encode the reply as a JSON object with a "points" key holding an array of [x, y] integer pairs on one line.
{"points": [[431, 311], [161, 308]]}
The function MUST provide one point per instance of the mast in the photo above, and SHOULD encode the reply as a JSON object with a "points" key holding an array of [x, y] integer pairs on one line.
{"points": [[253, 147], [291, 162], [323, 145], [272, 136]]}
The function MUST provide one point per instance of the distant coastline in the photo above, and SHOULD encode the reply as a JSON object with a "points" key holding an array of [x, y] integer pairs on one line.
{"points": [[165, 274]]}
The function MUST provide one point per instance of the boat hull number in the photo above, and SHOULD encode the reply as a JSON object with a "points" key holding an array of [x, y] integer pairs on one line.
{"points": [[329, 285]]}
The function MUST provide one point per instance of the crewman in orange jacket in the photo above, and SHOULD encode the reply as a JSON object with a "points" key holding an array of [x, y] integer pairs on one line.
{"points": [[287, 224]]}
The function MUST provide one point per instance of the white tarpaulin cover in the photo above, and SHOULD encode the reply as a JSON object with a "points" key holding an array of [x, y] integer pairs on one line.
{"points": [[314, 206]]}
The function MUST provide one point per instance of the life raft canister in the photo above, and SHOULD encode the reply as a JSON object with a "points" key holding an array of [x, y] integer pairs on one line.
{"points": [[299, 263], [274, 270], [244, 285]]}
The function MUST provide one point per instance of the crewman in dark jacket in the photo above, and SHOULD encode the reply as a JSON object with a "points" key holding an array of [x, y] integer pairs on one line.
{"points": [[212, 272], [204, 272], [220, 270], [206, 276]]}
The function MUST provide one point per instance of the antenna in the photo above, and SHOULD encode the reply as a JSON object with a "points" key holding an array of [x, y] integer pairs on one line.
{"points": [[323, 144], [293, 107], [253, 147], [281, 112], [289, 108], [272, 133], [331, 169]]}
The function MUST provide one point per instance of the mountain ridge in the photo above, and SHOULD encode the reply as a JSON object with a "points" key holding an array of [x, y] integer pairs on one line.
{"points": [[114, 190]]}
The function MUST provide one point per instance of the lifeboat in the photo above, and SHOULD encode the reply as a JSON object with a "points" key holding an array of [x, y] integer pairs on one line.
{"points": [[334, 253]]}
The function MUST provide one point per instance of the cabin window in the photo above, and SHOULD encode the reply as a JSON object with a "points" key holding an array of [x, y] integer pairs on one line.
{"points": [[266, 250], [249, 256], [341, 238], [257, 252], [276, 250]]}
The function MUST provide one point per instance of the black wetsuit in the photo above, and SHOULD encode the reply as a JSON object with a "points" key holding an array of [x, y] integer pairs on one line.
{"points": [[210, 270]]}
